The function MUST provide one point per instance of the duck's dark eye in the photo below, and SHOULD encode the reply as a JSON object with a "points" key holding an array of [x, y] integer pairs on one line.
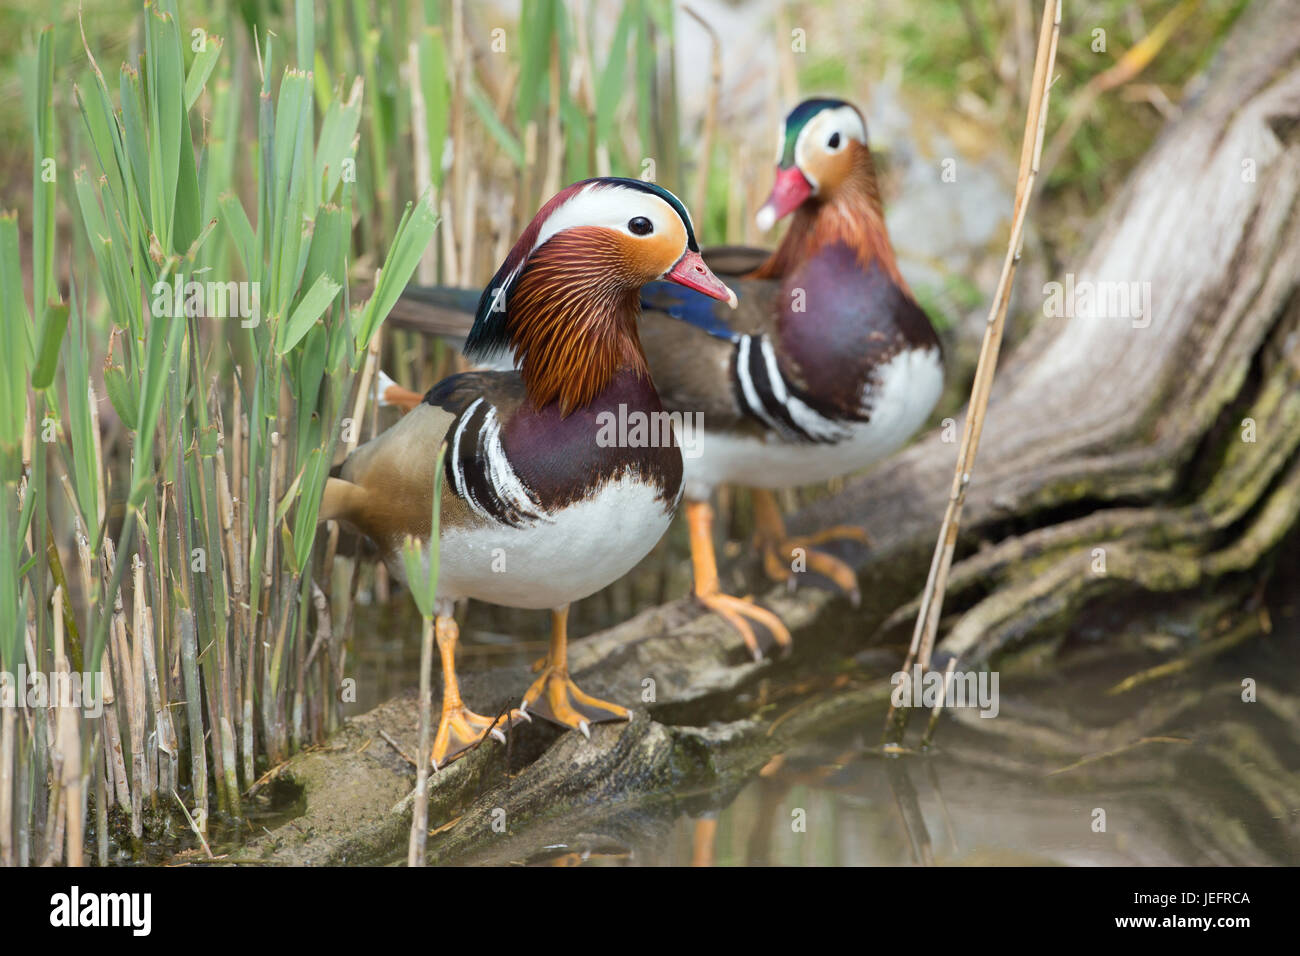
{"points": [[640, 226], [834, 141]]}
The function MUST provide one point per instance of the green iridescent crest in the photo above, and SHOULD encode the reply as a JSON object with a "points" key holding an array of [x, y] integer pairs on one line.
{"points": [[797, 119]]}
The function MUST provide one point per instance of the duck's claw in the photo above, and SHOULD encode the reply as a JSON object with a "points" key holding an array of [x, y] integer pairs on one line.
{"points": [[782, 557], [740, 612], [460, 729], [785, 557], [555, 697]]}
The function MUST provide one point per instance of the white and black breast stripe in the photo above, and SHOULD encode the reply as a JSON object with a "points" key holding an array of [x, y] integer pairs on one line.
{"points": [[764, 393], [482, 475]]}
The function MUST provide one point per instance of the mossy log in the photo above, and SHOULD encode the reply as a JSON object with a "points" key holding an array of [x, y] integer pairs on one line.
{"points": [[1155, 454]]}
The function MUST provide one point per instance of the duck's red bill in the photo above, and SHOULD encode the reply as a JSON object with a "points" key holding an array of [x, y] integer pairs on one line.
{"points": [[788, 193], [691, 272]]}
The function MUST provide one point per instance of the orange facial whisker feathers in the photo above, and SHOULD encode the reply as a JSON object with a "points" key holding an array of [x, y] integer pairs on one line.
{"points": [[571, 318]]}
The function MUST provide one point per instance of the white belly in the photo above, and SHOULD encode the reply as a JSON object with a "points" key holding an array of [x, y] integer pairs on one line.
{"points": [[580, 550], [907, 390]]}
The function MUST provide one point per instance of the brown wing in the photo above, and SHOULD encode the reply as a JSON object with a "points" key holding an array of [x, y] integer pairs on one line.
{"points": [[691, 356], [383, 488]]}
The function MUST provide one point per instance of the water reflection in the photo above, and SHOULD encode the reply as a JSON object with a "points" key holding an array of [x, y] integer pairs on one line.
{"points": [[1180, 771], [1220, 785]]}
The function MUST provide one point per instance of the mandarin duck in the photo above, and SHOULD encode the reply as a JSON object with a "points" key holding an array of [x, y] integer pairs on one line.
{"points": [[827, 366], [536, 511]]}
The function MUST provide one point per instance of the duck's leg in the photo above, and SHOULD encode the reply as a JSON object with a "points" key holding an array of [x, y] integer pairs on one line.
{"points": [[459, 728], [556, 697], [738, 612], [704, 841], [780, 552]]}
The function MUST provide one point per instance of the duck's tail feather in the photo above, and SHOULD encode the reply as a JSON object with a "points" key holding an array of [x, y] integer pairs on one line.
{"points": [[341, 500], [390, 393]]}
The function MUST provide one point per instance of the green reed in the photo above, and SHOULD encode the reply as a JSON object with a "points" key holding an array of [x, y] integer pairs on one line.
{"points": [[163, 463]]}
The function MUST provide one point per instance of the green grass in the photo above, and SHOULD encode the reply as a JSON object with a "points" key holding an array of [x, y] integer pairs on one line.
{"points": [[196, 537]]}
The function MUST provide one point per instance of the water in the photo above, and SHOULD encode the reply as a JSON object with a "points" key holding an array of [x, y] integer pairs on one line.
{"points": [[1180, 771], [1201, 790]]}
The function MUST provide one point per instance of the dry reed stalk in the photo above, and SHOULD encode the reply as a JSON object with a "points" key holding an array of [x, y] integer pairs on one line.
{"points": [[931, 606], [420, 807], [8, 736], [427, 271], [169, 659], [701, 191], [460, 160], [119, 657], [139, 757], [224, 752], [22, 496], [504, 228], [447, 229], [74, 799], [66, 756], [194, 714], [238, 493], [787, 70], [505, 94], [114, 759], [199, 831], [554, 141], [296, 714], [28, 449], [236, 601], [468, 231], [272, 498], [527, 187], [324, 631], [158, 769], [241, 518], [40, 816], [272, 714], [52, 839], [101, 808], [22, 809], [324, 639], [33, 665]]}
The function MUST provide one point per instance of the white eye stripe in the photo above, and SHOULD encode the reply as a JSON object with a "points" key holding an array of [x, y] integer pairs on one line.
{"points": [[844, 120], [604, 205], [610, 207]]}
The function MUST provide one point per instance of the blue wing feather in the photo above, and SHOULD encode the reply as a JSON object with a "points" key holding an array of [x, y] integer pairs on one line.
{"points": [[687, 305]]}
